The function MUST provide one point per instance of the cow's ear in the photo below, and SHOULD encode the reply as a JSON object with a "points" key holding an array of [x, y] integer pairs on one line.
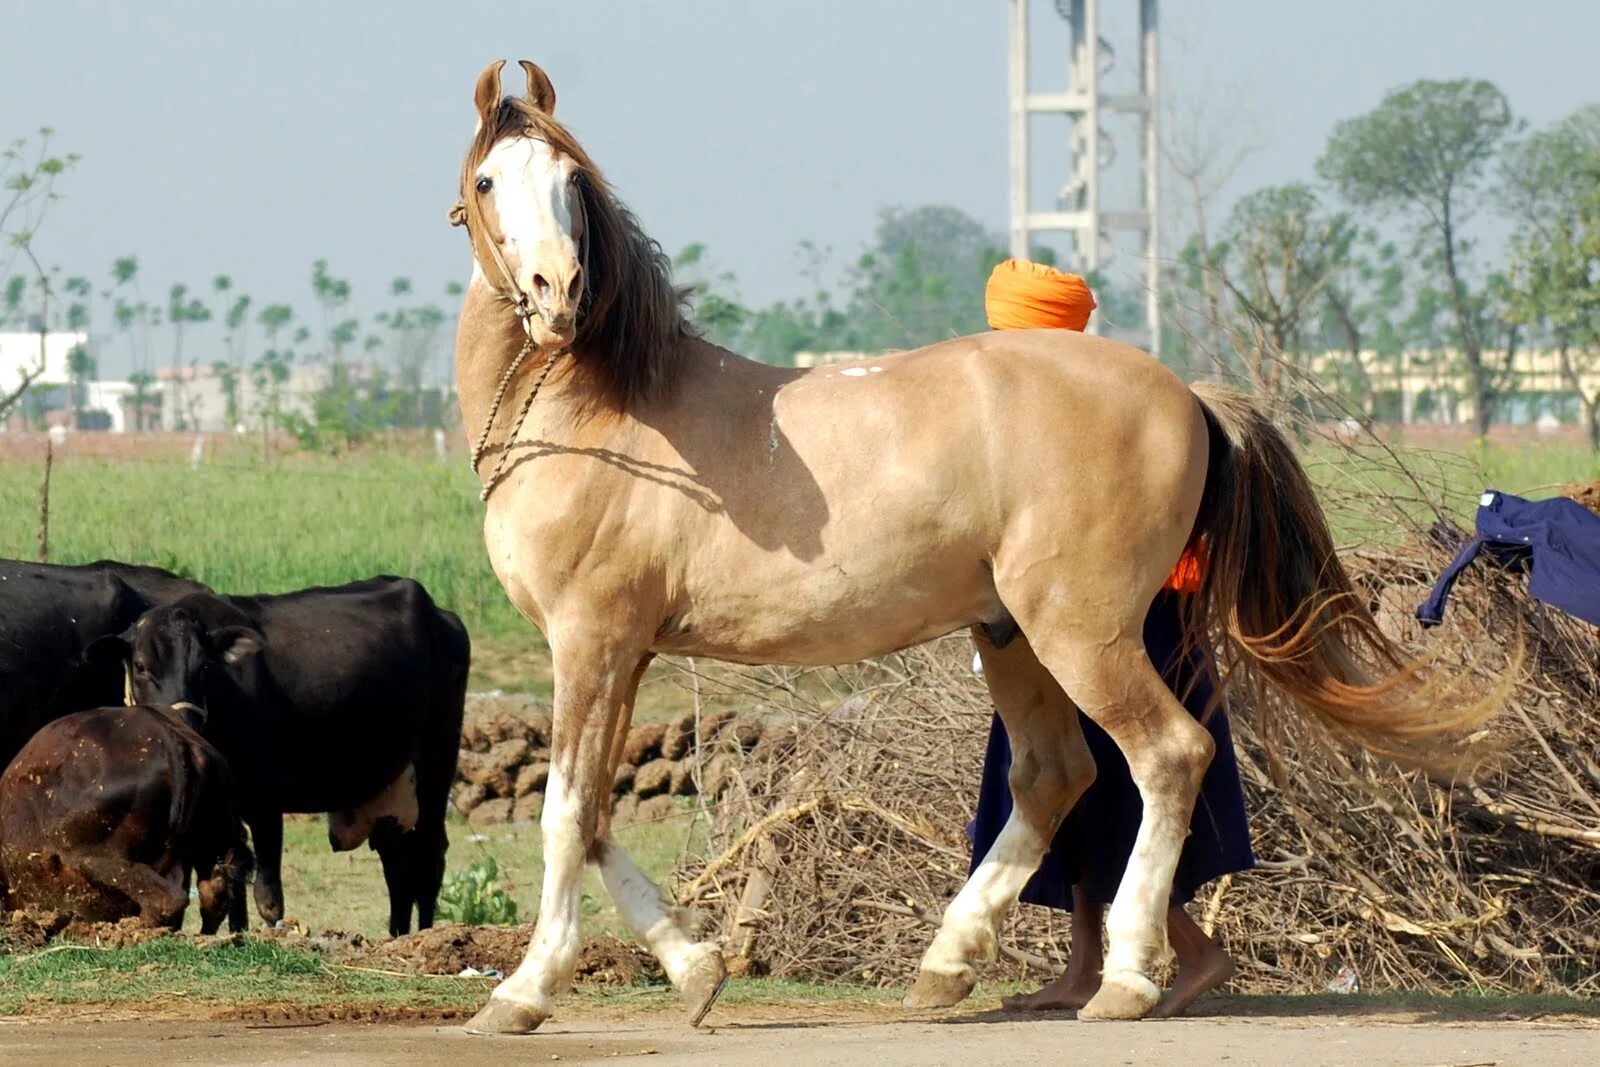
{"points": [[108, 652], [236, 643]]}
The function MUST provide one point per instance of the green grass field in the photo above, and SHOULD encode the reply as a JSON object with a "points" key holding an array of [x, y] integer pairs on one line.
{"points": [[250, 527], [241, 525]]}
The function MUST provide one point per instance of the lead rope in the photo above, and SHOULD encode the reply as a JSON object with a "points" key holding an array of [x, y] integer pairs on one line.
{"points": [[526, 311], [482, 445]]}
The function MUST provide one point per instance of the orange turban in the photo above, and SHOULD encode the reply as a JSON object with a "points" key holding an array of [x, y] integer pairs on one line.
{"points": [[1023, 295]]}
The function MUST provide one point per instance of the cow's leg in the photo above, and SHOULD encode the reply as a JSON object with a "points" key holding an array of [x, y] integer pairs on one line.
{"points": [[696, 969], [266, 835], [436, 772], [396, 849], [594, 674], [160, 900], [1050, 768], [221, 861], [429, 843], [221, 888]]}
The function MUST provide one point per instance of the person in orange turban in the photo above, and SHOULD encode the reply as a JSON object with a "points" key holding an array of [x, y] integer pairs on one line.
{"points": [[1086, 860]]}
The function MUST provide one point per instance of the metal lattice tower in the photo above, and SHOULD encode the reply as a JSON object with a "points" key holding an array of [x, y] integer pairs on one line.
{"points": [[1078, 210]]}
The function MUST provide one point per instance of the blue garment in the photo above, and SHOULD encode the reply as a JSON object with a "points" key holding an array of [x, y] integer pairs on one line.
{"points": [[1558, 540], [1096, 838]]}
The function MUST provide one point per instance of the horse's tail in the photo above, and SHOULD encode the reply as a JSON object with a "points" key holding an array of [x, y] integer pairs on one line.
{"points": [[1290, 618]]}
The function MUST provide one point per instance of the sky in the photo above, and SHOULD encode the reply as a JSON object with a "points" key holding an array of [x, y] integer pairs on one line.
{"points": [[252, 139]]}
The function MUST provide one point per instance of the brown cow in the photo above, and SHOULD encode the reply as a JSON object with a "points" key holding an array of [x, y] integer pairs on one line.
{"points": [[104, 814]]}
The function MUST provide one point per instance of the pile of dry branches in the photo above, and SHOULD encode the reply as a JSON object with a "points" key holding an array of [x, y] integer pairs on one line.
{"points": [[833, 862]]}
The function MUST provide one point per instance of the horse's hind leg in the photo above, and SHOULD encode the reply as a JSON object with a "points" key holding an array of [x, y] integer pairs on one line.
{"points": [[1050, 768], [1111, 678]]}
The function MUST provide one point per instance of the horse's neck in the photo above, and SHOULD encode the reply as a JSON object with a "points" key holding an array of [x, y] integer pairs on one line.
{"points": [[489, 338]]}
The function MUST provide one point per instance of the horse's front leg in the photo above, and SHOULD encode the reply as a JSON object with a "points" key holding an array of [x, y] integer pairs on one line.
{"points": [[593, 680]]}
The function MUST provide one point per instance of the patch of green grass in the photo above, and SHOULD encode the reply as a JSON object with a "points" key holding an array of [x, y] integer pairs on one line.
{"points": [[247, 971], [324, 890]]}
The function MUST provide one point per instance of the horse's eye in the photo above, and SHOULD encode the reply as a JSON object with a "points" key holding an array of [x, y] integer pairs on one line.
{"points": [[484, 185]]}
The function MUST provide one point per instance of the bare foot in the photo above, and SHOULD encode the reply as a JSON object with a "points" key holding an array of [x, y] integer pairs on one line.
{"points": [[1068, 993], [1192, 981]]}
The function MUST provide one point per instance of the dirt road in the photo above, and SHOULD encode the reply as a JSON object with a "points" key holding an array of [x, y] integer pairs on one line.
{"points": [[816, 1037]]}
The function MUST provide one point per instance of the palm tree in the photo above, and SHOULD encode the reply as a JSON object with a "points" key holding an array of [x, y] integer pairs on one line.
{"points": [[238, 323], [141, 380], [332, 293], [182, 309], [81, 368], [125, 272]]}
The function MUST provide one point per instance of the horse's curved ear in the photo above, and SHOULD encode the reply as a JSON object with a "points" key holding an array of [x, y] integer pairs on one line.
{"points": [[541, 94], [487, 95]]}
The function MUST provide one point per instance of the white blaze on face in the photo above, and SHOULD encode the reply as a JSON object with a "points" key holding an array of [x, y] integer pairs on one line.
{"points": [[533, 196]]}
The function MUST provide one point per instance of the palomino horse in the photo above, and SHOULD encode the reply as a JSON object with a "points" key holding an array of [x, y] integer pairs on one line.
{"points": [[652, 493]]}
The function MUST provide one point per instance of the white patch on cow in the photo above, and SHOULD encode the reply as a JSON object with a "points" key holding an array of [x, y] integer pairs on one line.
{"points": [[652, 918], [968, 931], [854, 372], [349, 828], [874, 370], [546, 969]]}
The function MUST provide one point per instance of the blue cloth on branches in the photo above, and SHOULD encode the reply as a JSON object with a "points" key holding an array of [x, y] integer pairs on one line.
{"points": [[1557, 541]]}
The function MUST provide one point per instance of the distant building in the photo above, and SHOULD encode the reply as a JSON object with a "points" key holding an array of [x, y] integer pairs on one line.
{"points": [[20, 354], [196, 397], [24, 353]]}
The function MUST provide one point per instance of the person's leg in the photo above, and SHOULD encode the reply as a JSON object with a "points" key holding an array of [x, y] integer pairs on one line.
{"points": [[1074, 988], [1202, 964]]}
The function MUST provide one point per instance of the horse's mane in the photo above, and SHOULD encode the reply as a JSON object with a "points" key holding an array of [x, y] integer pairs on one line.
{"points": [[631, 322]]}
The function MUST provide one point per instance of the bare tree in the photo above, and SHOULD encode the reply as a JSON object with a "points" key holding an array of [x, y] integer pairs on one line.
{"points": [[1205, 139], [26, 194]]}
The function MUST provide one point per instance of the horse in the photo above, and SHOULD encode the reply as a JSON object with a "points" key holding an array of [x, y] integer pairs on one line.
{"points": [[649, 493]]}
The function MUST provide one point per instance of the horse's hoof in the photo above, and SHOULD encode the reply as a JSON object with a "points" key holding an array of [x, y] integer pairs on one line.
{"points": [[703, 985], [935, 990], [1122, 995], [504, 1017]]}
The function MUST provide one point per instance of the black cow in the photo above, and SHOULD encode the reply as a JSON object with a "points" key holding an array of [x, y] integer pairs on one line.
{"points": [[49, 615], [352, 706], [105, 813]]}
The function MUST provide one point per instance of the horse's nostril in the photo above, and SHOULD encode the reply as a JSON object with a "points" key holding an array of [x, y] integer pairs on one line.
{"points": [[576, 285], [541, 285]]}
